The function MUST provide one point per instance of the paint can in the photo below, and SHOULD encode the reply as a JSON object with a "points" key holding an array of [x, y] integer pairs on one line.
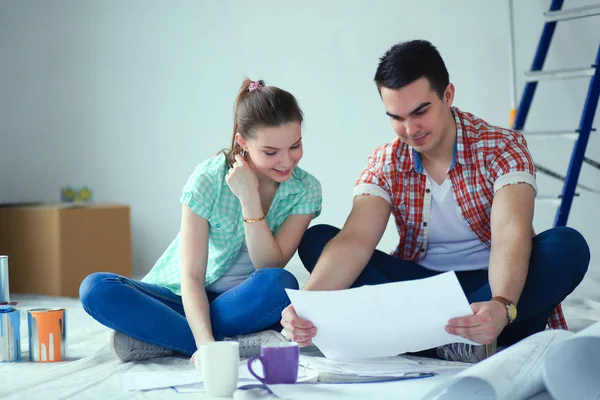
{"points": [[47, 334], [4, 292], [10, 334]]}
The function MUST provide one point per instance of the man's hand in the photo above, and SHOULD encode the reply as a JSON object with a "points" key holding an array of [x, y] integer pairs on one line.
{"points": [[488, 322], [299, 330]]}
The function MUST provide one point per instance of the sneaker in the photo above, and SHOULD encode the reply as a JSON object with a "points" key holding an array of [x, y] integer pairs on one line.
{"points": [[129, 349], [250, 344], [462, 352]]}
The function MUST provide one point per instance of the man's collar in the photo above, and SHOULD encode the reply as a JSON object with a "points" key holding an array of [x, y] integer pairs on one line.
{"points": [[459, 147]]}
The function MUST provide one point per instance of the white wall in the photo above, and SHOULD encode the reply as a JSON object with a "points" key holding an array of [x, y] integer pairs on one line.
{"points": [[127, 97]]}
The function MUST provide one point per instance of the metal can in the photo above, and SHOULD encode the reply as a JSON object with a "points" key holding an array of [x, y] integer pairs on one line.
{"points": [[4, 292], [10, 334], [47, 334]]}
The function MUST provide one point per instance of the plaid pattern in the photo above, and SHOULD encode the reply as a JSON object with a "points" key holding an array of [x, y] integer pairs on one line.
{"points": [[206, 193], [486, 158]]}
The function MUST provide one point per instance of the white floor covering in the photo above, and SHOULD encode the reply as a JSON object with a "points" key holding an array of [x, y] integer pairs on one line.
{"points": [[92, 372]]}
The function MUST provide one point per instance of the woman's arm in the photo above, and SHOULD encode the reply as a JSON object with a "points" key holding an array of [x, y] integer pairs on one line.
{"points": [[265, 249], [274, 251], [194, 255]]}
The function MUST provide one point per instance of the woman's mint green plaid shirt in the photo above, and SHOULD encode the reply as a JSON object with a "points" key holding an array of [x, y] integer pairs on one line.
{"points": [[206, 193]]}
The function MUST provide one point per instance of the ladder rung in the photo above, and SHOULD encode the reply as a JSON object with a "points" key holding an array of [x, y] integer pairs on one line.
{"points": [[551, 134], [549, 199], [533, 76], [572, 13], [591, 162], [552, 199]]}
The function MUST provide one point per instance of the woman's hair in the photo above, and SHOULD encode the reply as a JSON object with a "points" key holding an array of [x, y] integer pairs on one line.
{"points": [[257, 106]]}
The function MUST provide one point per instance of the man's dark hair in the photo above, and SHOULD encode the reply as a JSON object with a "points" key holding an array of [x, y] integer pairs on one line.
{"points": [[407, 62]]}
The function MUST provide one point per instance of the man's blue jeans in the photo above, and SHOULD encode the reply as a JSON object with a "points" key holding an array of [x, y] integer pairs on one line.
{"points": [[154, 314], [558, 263]]}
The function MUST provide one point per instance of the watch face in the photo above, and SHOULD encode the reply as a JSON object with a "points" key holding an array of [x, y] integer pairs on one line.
{"points": [[512, 312]]}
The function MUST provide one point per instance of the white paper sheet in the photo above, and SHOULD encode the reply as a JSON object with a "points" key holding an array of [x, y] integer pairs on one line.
{"points": [[247, 380], [383, 320], [387, 366], [572, 367], [158, 379], [193, 388], [190, 381]]}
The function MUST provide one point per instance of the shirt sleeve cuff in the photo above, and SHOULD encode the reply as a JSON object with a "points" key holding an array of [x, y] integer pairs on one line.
{"points": [[188, 199], [307, 208], [515, 177], [368, 189]]}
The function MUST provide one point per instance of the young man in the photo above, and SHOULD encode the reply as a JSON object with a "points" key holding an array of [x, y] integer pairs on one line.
{"points": [[452, 182]]}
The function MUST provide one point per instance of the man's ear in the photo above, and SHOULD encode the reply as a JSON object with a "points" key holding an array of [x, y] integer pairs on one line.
{"points": [[449, 95]]}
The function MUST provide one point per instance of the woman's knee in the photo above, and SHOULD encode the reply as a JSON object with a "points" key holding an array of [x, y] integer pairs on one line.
{"points": [[278, 278], [93, 286]]}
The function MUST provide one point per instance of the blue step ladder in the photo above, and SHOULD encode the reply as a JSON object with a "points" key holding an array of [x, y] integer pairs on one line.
{"points": [[580, 135]]}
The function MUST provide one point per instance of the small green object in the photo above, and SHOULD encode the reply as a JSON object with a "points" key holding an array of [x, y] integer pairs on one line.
{"points": [[85, 194], [68, 194]]}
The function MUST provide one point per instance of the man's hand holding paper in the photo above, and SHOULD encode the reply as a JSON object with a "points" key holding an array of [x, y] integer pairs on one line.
{"points": [[380, 321]]}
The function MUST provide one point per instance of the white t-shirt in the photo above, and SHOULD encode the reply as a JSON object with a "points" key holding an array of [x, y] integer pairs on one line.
{"points": [[239, 271], [452, 245]]}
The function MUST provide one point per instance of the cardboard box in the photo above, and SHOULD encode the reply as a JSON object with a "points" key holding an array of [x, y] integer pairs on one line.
{"points": [[52, 248]]}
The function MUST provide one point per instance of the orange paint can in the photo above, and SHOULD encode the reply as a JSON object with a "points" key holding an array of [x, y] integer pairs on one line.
{"points": [[47, 334]]}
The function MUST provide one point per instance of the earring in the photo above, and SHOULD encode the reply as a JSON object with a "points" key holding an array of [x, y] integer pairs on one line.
{"points": [[244, 153]]}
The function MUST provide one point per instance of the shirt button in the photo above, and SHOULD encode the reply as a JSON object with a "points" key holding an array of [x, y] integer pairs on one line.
{"points": [[422, 250], [218, 225], [427, 190], [424, 223]]}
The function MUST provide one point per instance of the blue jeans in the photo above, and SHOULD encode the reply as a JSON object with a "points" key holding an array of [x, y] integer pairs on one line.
{"points": [[558, 263], [154, 314]]}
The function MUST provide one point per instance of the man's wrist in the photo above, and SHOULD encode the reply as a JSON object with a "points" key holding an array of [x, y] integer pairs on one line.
{"points": [[508, 306], [501, 312]]}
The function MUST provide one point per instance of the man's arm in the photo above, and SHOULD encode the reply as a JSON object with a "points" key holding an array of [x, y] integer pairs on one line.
{"points": [[511, 221], [346, 255], [342, 259]]}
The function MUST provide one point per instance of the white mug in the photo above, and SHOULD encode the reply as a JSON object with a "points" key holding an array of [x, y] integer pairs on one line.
{"points": [[218, 365]]}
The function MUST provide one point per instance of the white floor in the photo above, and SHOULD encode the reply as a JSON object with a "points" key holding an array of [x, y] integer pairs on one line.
{"points": [[92, 372]]}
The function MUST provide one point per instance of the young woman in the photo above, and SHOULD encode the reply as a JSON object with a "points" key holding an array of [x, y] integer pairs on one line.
{"points": [[243, 214]]}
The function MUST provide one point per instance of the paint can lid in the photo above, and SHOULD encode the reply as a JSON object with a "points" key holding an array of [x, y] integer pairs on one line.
{"points": [[44, 310], [8, 307]]}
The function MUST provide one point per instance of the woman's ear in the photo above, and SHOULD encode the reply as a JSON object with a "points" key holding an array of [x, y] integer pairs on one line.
{"points": [[241, 141]]}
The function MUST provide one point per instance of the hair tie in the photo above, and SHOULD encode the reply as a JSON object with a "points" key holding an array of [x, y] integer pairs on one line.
{"points": [[254, 85]]}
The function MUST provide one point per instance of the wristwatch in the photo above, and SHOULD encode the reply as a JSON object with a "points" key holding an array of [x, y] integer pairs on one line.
{"points": [[511, 308]]}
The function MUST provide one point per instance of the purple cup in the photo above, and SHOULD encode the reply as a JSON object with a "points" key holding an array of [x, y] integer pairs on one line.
{"points": [[280, 363]]}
